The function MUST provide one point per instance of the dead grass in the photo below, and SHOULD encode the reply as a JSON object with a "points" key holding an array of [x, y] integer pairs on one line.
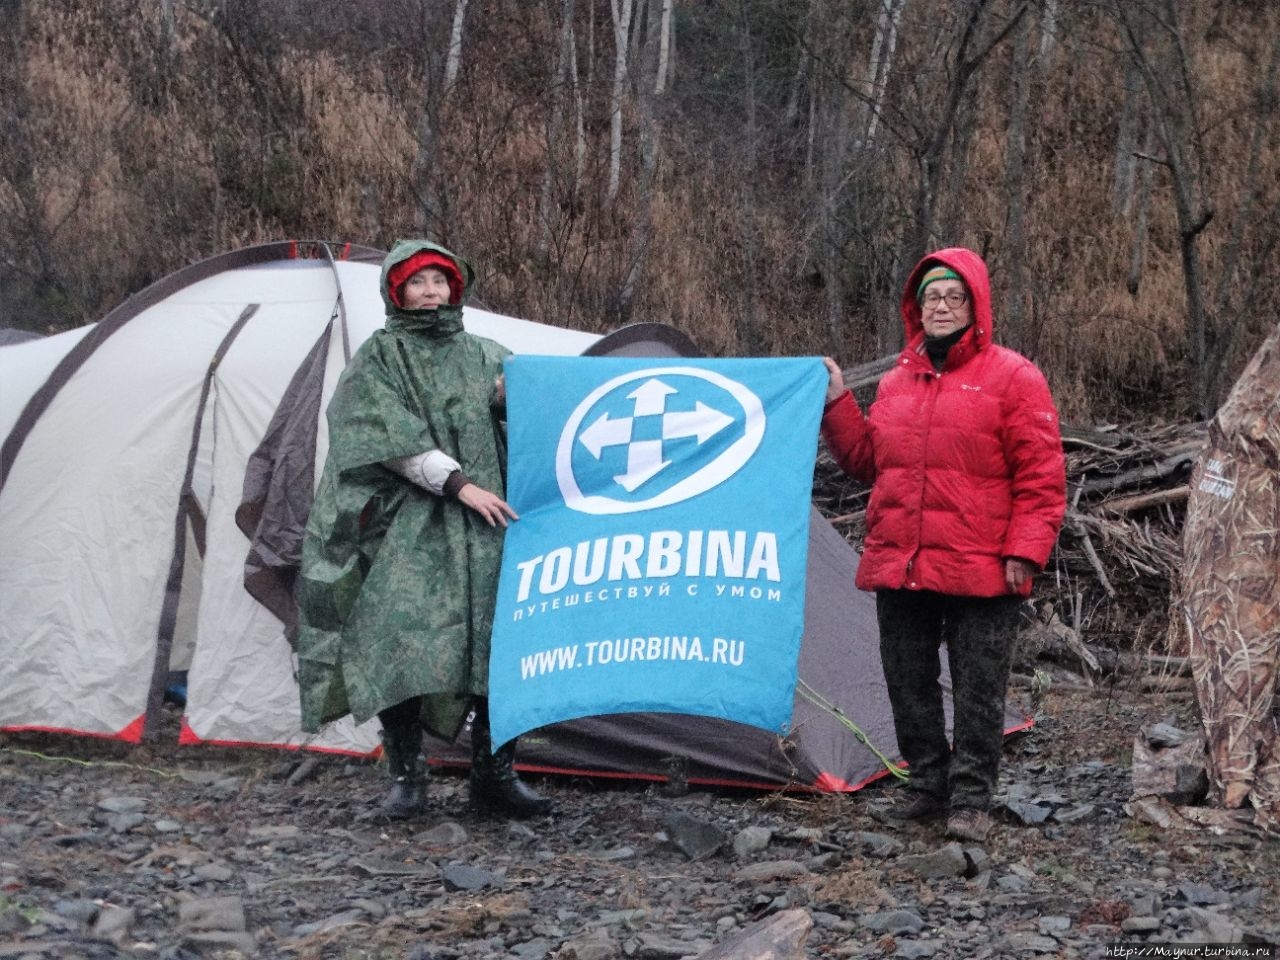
{"points": [[132, 181]]}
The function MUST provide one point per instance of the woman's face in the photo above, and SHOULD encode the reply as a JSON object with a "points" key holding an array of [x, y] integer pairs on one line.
{"points": [[945, 307], [425, 290]]}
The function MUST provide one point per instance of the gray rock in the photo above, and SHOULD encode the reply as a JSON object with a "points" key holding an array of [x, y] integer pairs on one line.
{"points": [[893, 921], [696, 839], [123, 804], [305, 771], [77, 911], [389, 867], [445, 835], [212, 913], [947, 861], [1201, 895], [273, 833], [1140, 924], [535, 949], [771, 870], [1082, 811], [614, 855], [878, 845], [1020, 942], [113, 923], [1030, 814], [915, 949], [215, 941], [214, 872], [655, 946], [1054, 926], [124, 822], [1164, 735], [751, 840], [12, 920], [594, 945], [462, 876], [780, 937], [344, 919]]}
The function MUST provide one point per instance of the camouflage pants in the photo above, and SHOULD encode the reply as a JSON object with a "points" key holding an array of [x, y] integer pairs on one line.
{"points": [[979, 633]]}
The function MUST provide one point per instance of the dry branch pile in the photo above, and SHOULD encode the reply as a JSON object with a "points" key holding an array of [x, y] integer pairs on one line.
{"points": [[1114, 574]]}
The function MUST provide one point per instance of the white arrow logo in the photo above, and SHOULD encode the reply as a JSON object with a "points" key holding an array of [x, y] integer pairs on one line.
{"points": [[645, 458]]}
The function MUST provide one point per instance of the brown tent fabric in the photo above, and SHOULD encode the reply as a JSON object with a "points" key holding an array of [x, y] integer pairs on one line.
{"points": [[279, 483], [1231, 589]]}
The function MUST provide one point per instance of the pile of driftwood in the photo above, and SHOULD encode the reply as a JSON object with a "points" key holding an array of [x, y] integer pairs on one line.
{"points": [[1111, 584]]}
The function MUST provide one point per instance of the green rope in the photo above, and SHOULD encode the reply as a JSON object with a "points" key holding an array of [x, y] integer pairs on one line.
{"points": [[91, 763], [822, 703]]}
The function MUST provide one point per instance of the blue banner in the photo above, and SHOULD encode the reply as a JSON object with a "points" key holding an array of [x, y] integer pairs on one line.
{"points": [[659, 560]]}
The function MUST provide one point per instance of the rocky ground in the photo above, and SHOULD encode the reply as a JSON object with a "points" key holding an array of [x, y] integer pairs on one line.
{"points": [[155, 851]]}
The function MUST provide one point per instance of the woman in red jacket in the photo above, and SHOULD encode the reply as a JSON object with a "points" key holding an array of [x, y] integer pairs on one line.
{"points": [[963, 449]]}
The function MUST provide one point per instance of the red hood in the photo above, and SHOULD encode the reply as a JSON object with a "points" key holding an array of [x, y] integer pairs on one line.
{"points": [[973, 271]]}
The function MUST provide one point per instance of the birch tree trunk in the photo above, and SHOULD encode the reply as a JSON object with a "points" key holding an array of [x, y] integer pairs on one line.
{"points": [[621, 10], [664, 50], [1015, 183], [650, 138], [880, 63], [1122, 179], [560, 87], [1141, 220], [453, 60], [802, 78], [429, 210], [750, 336]]}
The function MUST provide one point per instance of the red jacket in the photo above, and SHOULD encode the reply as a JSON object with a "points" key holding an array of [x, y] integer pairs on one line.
{"points": [[967, 463]]}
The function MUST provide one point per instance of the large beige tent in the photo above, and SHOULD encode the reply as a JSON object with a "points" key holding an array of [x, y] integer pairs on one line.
{"points": [[123, 462]]}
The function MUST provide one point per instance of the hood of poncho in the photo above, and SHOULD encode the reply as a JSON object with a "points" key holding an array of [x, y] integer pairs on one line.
{"points": [[439, 321]]}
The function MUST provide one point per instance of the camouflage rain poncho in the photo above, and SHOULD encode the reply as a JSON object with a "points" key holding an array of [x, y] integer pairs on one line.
{"points": [[397, 586]]}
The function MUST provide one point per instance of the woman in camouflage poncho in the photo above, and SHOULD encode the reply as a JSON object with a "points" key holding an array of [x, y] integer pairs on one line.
{"points": [[402, 549]]}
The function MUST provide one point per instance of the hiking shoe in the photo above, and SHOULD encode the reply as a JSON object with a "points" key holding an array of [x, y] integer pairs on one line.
{"points": [[972, 825], [921, 806]]}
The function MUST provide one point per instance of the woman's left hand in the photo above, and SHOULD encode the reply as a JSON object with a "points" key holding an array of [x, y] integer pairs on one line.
{"points": [[489, 505], [1017, 572]]}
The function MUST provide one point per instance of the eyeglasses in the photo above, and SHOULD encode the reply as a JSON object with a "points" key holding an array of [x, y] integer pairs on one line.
{"points": [[955, 299]]}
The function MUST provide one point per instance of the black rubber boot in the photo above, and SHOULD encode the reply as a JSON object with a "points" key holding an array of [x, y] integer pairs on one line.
{"points": [[402, 741], [496, 788]]}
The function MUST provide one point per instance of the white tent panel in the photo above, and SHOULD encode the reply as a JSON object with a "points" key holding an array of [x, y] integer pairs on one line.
{"points": [[25, 366], [241, 688], [87, 523]]}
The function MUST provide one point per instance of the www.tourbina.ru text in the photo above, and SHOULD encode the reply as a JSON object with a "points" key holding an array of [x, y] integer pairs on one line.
{"points": [[595, 653]]}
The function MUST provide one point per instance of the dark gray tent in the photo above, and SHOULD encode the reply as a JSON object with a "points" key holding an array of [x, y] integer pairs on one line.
{"points": [[842, 733]]}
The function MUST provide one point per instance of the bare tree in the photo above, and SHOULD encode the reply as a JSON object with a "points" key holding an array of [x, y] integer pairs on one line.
{"points": [[1128, 134], [453, 59], [621, 10], [930, 150], [1015, 178], [650, 136], [423, 179], [879, 64], [1158, 44], [665, 46], [563, 87]]}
